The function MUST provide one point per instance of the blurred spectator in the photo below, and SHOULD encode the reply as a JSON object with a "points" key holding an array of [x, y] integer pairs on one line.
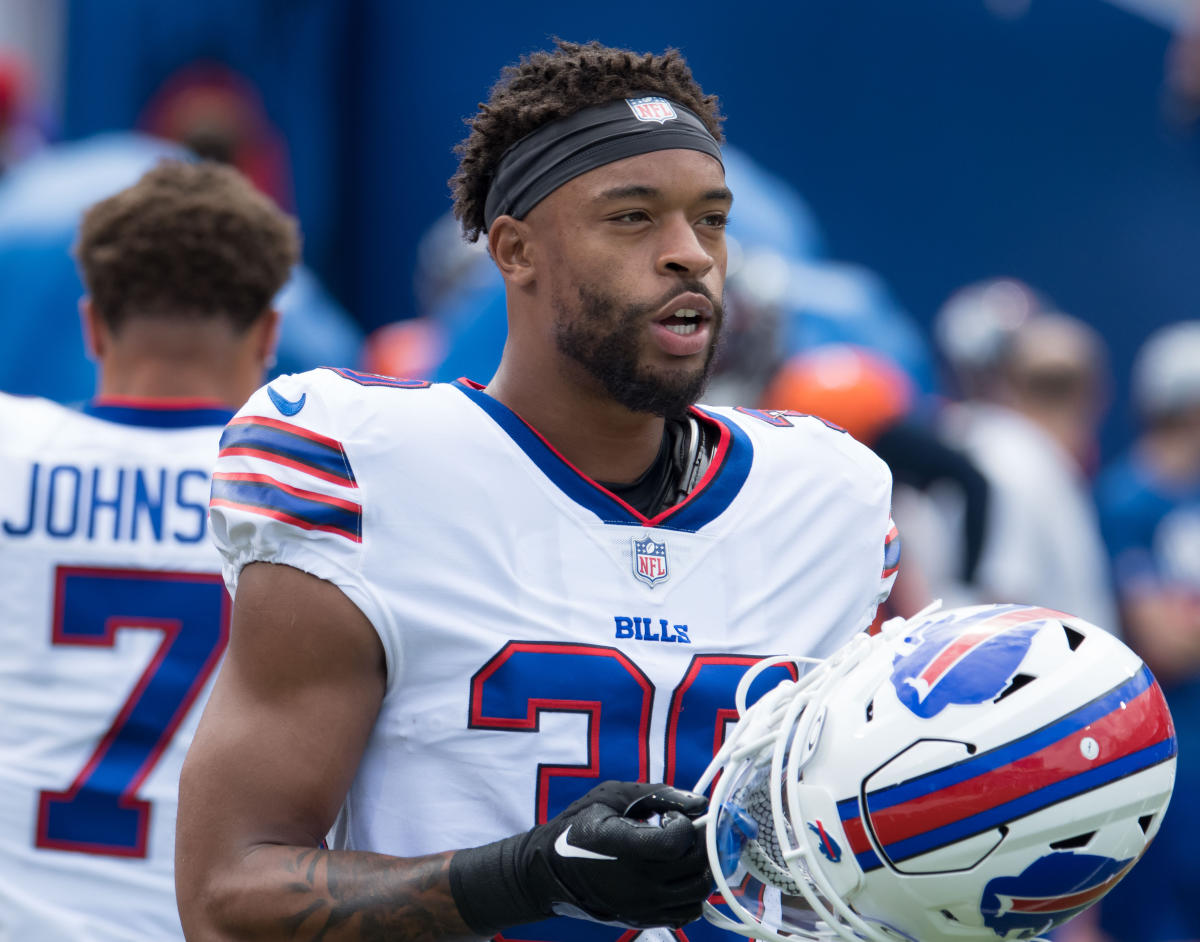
{"points": [[939, 498], [1036, 385], [41, 201], [1149, 502], [974, 330], [462, 322], [1181, 85], [785, 296], [217, 114], [770, 230], [22, 129], [837, 302]]}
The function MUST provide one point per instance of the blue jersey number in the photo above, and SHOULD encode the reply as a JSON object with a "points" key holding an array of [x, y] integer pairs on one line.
{"points": [[526, 679], [100, 812]]}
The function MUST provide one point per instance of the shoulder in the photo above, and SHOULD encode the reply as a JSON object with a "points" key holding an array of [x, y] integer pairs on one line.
{"points": [[11, 404], [343, 405], [301, 448], [28, 420], [316, 391], [804, 441]]}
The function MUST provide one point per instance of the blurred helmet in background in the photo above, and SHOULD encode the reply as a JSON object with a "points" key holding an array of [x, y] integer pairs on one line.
{"points": [[1166, 371], [974, 330]]}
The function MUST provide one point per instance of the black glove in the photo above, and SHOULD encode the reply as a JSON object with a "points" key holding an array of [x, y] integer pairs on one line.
{"points": [[626, 853]]}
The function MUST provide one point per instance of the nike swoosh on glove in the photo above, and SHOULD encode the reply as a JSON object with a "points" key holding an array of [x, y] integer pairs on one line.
{"points": [[626, 853]]}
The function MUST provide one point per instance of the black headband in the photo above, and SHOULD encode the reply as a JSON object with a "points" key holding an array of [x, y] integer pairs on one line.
{"points": [[545, 159]]}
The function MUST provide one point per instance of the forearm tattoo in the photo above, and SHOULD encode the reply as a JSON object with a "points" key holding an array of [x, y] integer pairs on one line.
{"points": [[363, 896]]}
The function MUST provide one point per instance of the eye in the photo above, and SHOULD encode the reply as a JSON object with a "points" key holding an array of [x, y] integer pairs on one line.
{"points": [[715, 220], [631, 216]]}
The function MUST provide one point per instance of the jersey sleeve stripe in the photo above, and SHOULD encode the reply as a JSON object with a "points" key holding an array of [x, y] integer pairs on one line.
{"points": [[264, 422], [284, 517], [289, 445], [266, 479], [287, 463], [261, 495]]}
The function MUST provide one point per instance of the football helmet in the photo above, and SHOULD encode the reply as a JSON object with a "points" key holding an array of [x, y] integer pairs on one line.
{"points": [[968, 774]]}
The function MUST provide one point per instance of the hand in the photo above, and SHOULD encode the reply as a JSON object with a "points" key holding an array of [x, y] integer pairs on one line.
{"points": [[625, 853]]}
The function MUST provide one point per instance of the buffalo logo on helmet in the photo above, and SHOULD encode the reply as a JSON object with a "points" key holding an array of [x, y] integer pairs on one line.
{"points": [[1048, 892], [830, 849], [652, 109], [965, 661], [650, 561]]}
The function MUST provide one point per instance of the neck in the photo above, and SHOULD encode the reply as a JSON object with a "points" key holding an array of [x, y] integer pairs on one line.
{"points": [[159, 360], [599, 437], [169, 381]]}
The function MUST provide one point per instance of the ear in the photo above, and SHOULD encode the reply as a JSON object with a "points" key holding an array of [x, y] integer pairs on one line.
{"points": [[509, 241], [266, 338], [95, 331]]}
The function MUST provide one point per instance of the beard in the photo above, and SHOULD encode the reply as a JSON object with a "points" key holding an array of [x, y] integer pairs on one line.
{"points": [[604, 336]]}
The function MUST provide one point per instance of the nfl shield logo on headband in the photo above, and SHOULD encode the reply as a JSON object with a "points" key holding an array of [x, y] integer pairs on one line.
{"points": [[652, 109]]}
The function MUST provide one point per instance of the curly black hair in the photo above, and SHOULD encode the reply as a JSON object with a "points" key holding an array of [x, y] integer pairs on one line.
{"points": [[188, 240], [547, 86]]}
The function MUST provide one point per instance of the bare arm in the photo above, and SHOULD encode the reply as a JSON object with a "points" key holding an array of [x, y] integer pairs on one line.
{"points": [[275, 753]]}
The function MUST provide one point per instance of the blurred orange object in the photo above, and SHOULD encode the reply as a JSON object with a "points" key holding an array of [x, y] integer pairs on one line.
{"points": [[858, 389], [409, 349]]}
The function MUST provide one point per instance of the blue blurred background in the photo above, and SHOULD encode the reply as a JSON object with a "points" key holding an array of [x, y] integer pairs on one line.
{"points": [[936, 141]]}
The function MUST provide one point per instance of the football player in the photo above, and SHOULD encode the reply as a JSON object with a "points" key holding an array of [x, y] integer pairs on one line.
{"points": [[486, 637], [114, 615]]}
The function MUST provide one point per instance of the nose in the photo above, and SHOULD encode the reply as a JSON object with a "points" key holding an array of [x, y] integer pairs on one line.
{"points": [[682, 252]]}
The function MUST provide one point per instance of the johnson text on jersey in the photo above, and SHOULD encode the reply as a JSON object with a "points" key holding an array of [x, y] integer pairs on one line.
{"points": [[119, 504]]}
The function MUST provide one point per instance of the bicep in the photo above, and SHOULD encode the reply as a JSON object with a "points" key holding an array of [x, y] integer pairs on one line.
{"points": [[288, 719]]}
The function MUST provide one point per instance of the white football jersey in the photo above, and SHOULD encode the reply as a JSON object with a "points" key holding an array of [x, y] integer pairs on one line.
{"points": [[541, 635], [113, 617]]}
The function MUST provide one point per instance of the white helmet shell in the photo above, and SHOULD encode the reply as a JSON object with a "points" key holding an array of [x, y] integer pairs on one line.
{"points": [[973, 774]]}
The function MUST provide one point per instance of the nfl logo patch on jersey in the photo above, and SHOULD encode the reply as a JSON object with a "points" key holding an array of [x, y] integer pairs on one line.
{"points": [[650, 561], [652, 109]]}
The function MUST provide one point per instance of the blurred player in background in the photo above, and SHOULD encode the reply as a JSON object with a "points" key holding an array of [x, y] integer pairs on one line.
{"points": [[114, 615], [203, 111], [458, 608], [1150, 512], [1035, 386]]}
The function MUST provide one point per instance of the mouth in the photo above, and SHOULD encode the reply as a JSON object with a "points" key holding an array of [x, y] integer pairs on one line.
{"points": [[683, 322], [685, 313], [687, 317]]}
